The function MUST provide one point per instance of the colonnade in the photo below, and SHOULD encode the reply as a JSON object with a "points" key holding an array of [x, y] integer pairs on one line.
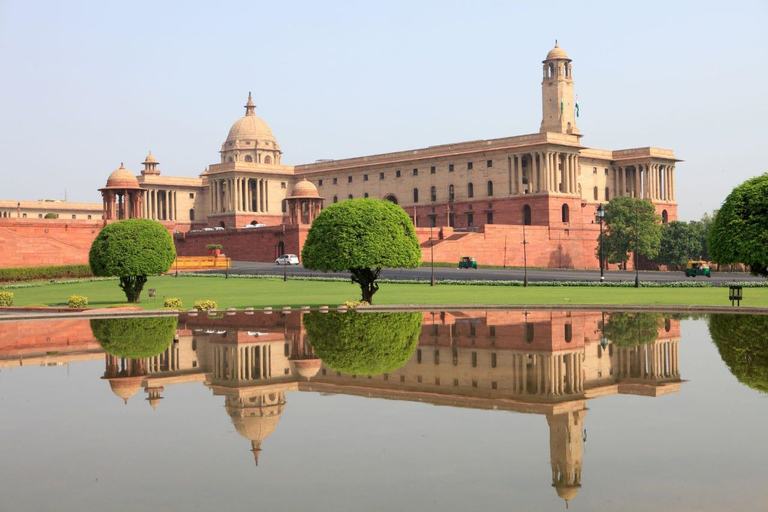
{"points": [[242, 362], [161, 205], [545, 171], [553, 374], [654, 361], [655, 182], [239, 194], [122, 204]]}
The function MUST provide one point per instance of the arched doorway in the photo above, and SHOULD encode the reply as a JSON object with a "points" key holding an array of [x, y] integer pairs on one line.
{"points": [[527, 215], [391, 198]]}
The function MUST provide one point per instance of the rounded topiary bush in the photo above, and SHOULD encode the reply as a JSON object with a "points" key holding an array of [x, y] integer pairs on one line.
{"points": [[77, 301], [363, 343], [134, 338], [6, 299], [172, 302]]}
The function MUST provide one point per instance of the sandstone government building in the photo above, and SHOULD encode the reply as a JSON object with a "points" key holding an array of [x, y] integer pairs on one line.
{"points": [[477, 198]]}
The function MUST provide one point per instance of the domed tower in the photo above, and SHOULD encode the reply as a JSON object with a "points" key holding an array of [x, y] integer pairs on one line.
{"points": [[255, 417], [557, 100], [304, 203], [566, 452], [122, 196], [250, 141], [150, 165]]}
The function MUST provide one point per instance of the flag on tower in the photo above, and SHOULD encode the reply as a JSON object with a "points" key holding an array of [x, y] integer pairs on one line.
{"points": [[577, 105]]}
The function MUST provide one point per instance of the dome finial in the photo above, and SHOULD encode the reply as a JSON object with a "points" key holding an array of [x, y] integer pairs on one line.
{"points": [[250, 107], [556, 44]]}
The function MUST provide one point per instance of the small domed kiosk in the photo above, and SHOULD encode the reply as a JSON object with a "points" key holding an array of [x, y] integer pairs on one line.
{"points": [[304, 204], [122, 196]]}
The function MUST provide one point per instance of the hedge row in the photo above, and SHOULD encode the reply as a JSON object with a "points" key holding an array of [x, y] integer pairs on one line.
{"points": [[50, 272]]}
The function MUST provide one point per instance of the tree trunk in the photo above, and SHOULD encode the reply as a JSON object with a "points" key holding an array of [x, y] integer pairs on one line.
{"points": [[366, 278], [132, 286]]}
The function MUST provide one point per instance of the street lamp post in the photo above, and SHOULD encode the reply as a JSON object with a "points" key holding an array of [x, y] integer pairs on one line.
{"points": [[637, 246], [600, 217], [525, 259]]}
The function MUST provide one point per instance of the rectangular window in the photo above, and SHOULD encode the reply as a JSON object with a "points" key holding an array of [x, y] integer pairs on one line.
{"points": [[432, 170], [39, 215], [489, 163], [89, 217], [23, 215], [469, 166], [381, 175], [319, 183], [349, 179], [470, 220], [74, 216], [365, 177], [432, 221], [282, 184], [335, 181], [455, 382], [437, 357], [606, 171], [450, 167], [191, 195], [594, 170], [489, 218], [415, 172], [493, 360], [474, 359], [418, 356], [397, 173], [494, 385], [492, 330]]}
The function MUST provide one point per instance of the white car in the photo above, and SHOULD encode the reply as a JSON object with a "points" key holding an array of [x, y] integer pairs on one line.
{"points": [[249, 226], [287, 259]]}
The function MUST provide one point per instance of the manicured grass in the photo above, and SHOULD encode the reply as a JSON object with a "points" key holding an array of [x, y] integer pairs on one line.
{"points": [[241, 293]]}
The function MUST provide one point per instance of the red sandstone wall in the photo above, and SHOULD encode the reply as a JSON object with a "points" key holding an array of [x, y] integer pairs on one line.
{"points": [[35, 242], [29, 338], [256, 244]]}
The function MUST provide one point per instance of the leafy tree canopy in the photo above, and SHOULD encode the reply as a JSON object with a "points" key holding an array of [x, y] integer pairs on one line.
{"points": [[627, 330], [134, 338], [680, 242], [742, 341], [362, 236], [630, 224], [363, 343], [132, 249], [739, 233]]}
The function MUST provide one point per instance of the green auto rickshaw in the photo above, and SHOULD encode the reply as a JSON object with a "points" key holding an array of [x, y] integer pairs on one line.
{"points": [[697, 268], [467, 262]]}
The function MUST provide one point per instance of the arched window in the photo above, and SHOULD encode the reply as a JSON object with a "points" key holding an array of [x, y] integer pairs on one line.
{"points": [[664, 217], [335, 199], [248, 158], [490, 188], [229, 159], [595, 193], [451, 193], [415, 195], [667, 324], [527, 215], [267, 159], [470, 190], [529, 333], [565, 214], [568, 332], [433, 194], [191, 214], [222, 225], [350, 196], [391, 198], [607, 194], [551, 70], [365, 195], [284, 206]]}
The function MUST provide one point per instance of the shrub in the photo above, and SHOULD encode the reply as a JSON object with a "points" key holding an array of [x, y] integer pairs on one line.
{"points": [[354, 303], [6, 298], [49, 272], [205, 305], [172, 302], [211, 247], [78, 301]]}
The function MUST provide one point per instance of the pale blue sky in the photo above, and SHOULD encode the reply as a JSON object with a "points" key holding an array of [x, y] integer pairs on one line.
{"points": [[87, 85]]}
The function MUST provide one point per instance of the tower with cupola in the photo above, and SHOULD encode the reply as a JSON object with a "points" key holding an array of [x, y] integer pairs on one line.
{"points": [[557, 99]]}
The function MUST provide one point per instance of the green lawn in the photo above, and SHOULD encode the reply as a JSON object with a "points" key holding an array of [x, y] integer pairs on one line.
{"points": [[242, 293]]}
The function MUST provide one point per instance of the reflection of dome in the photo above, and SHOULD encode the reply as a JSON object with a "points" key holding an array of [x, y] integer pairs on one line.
{"points": [[304, 189], [254, 419], [557, 53], [307, 368], [250, 127], [567, 492], [122, 178], [125, 387]]}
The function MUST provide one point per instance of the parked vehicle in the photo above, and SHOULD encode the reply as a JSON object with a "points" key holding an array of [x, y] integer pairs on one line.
{"points": [[697, 268], [467, 262], [248, 226], [287, 259]]}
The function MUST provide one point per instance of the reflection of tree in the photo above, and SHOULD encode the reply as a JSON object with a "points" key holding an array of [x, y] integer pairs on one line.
{"points": [[627, 330], [363, 343], [743, 344], [134, 338]]}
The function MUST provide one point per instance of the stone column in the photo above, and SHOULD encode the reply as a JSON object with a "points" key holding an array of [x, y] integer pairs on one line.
{"points": [[535, 173], [518, 166]]}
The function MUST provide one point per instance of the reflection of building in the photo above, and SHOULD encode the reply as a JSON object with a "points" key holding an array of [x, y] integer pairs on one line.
{"points": [[485, 189], [548, 363]]}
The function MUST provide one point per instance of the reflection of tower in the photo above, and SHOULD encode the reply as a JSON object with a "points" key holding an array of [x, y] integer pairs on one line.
{"points": [[303, 358], [255, 417], [565, 451], [124, 375]]}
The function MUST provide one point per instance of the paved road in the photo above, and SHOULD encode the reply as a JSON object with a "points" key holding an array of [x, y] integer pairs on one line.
{"points": [[490, 274]]}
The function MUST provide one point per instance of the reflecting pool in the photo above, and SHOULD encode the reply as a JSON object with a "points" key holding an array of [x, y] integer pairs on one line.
{"points": [[438, 411]]}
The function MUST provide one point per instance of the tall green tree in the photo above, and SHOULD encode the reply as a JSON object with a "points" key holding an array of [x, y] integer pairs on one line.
{"points": [[134, 338], [630, 225], [362, 236], [363, 343], [680, 242], [628, 329], [132, 249], [739, 233], [742, 341]]}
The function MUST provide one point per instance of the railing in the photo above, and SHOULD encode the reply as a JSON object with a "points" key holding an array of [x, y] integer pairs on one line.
{"points": [[201, 262]]}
